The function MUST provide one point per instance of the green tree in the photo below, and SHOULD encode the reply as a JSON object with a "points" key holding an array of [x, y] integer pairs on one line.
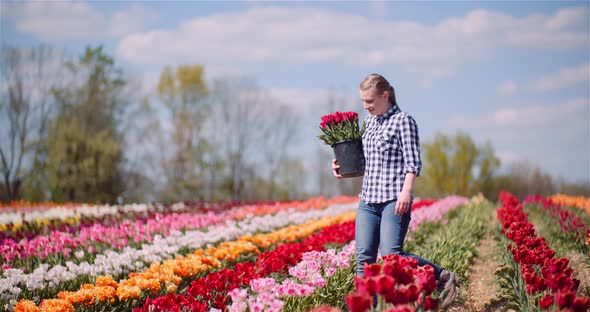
{"points": [[84, 143], [456, 165]]}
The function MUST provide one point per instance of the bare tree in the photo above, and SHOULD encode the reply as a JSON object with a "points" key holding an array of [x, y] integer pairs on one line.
{"points": [[279, 132], [28, 77], [238, 111]]}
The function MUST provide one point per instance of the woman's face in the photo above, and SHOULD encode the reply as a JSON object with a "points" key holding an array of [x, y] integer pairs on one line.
{"points": [[374, 103]]}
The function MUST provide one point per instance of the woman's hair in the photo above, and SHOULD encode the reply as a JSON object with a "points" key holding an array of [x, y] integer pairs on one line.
{"points": [[380, 84]]}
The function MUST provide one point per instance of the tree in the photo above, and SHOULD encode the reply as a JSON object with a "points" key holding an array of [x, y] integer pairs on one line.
{"points": [[279, 133], [579, 188], [239, 120], [85, 147], [291, 177], [450, 164], [523, 179], [184, 95], [27, 77]]}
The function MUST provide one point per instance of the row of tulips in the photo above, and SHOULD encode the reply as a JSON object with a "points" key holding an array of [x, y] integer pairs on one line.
{"points": [[46, 281], [25, 224], [571, 226], [320, 275], [435, 210], [553, 288], [27, 206], [166, 276], [580, 202], [62, 245], [61, 212], [551, 222]]}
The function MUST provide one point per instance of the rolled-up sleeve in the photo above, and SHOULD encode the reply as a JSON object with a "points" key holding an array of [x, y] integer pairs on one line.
{"points": [[410, 142]]}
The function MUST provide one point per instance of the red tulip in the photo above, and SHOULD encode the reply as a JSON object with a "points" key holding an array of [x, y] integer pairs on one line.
{"points": [[546, 302], [365, 285], [402, 295], [581, 304], [430, 303], [385, 284], [371, 269], [425, 278], [358, 303], [328, 119], [405, 275], [565, 299], [390, 269]]}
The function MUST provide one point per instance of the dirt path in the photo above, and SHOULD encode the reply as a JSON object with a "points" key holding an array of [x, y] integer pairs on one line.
{"points": [[579, 263], [479, 292]]}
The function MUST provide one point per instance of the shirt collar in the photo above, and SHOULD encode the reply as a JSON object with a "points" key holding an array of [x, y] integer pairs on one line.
{"points": [[393, 110]]}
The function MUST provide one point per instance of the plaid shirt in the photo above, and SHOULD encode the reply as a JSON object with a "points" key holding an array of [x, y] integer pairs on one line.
{"points": [[392, 148]]}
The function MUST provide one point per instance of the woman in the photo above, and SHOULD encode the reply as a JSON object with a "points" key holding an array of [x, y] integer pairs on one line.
{"points": [[392, 162]]}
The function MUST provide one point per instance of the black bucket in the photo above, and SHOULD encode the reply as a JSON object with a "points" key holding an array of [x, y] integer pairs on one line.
{"points": [[350, 157]]}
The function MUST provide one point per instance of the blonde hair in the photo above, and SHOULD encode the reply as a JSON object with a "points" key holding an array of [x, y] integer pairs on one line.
{"points": [[381, 85]]}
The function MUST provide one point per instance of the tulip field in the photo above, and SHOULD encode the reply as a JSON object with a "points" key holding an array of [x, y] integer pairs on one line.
{"points": [[530, 255]]}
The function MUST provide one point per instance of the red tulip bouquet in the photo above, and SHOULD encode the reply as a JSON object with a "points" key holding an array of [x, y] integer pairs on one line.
{"points": [[341, 131], [340, 126]]}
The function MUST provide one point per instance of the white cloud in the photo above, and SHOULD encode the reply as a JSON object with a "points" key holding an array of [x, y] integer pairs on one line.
{"points": [[567, 77], [508, 87], [309, 35], [75, 20], [131, 20], [515, 117]]}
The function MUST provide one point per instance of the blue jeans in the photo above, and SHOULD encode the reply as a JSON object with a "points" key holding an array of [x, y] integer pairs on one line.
{"points": [[378, 224]]}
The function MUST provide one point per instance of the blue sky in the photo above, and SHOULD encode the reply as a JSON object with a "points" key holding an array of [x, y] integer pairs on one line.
{"points": [[514, 73]]}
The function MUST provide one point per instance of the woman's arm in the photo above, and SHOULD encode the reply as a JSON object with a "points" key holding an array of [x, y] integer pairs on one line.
{"points": [[405, 197], [410, 145]]}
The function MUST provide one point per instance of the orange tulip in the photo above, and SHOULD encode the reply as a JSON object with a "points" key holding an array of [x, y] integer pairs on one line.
{"points": [[26, 306], [56, 305]]}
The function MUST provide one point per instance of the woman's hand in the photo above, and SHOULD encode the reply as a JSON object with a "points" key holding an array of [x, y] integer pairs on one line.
{"points": [[403, 202], [335, 168]]}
